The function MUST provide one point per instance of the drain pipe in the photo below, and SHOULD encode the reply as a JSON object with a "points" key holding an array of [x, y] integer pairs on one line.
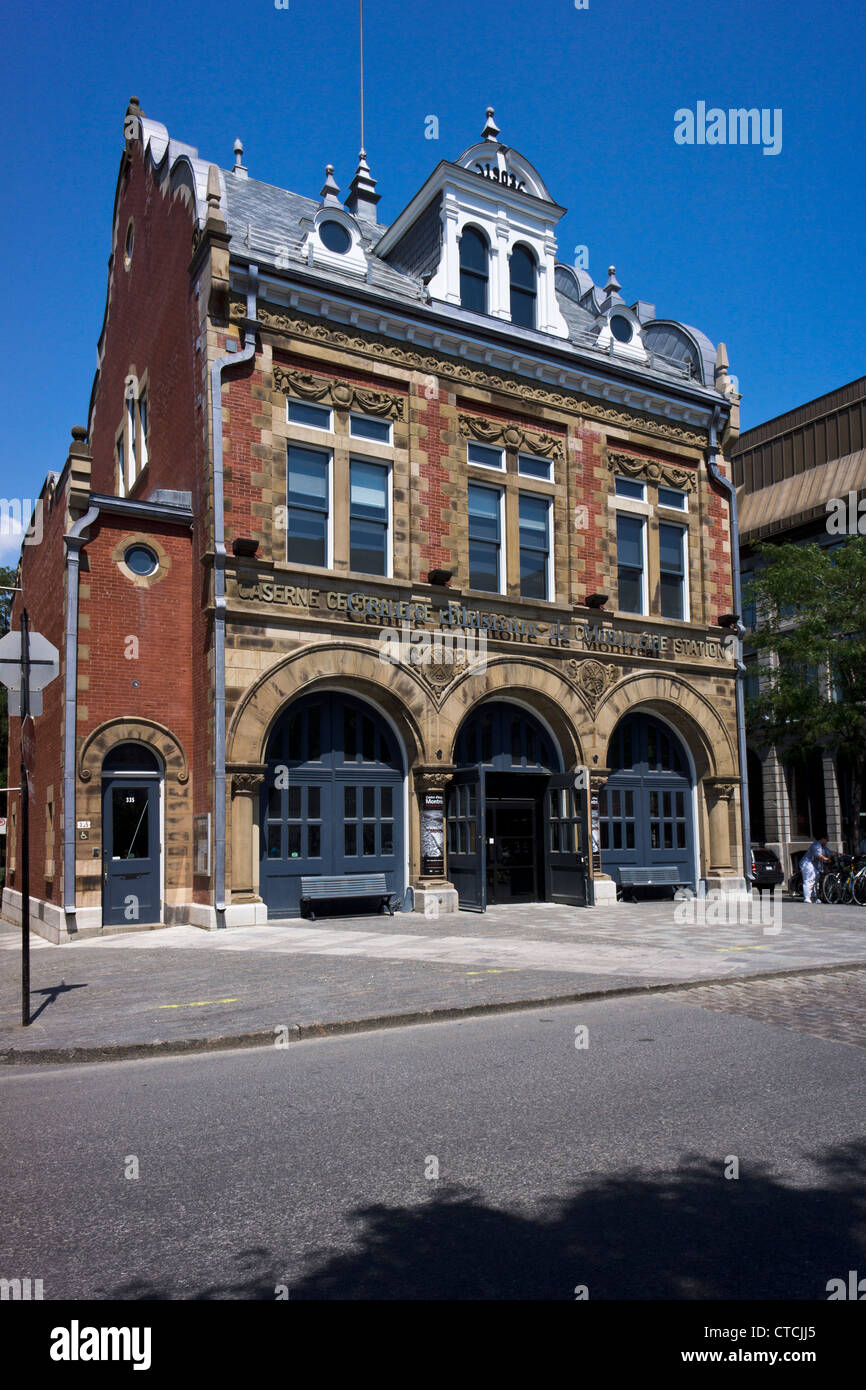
{"points": [[75, 541], [219, 820], [728, 487]]}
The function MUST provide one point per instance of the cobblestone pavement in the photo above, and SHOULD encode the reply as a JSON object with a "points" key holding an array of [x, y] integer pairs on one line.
{"points": [[168, 985], [831, 1006]]}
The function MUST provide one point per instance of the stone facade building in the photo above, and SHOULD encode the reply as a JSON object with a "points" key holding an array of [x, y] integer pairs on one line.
{"points": [[403, 549], [788, 472]]}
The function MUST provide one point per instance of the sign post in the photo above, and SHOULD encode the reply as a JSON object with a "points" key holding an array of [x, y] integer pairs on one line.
{"points": [[20, 653]]}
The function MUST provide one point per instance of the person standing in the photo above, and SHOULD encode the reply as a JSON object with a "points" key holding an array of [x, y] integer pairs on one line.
{"points": [[814, 856]]}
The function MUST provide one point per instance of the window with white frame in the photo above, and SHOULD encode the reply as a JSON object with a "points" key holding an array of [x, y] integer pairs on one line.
{"points": [[317, 417], [486, 566], [131, 445], [484, 456], [308, 506], [674, 499], [369, 517], [370, 427], [672, 571], [529, 466], [631, 563], [535, 547], [630, 488]]}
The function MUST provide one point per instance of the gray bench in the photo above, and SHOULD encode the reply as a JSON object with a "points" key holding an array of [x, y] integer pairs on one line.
{"points": [[336, 887], [655, 876]]}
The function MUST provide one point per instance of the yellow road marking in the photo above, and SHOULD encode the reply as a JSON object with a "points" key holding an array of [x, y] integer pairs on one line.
{"points": [[198, 1003]]}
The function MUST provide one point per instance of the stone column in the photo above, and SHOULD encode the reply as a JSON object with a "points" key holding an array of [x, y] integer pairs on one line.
{"points": [[434, 894], [718, 796], [246, 786]]}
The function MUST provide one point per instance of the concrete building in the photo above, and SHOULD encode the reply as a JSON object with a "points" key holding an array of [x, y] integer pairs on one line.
{"points": [[381, 544], [787, 471]]}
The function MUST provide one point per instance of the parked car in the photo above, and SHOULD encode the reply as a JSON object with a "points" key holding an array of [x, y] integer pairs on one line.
{"points": [[767, 872]]}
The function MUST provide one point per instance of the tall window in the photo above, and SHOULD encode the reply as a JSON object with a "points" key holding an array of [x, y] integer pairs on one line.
{"points": [[307, 498], [534, 517], [630, 564], [485, 539], [672, 571], [523, 291], [131, 443], [473, 270], [368, 517]]}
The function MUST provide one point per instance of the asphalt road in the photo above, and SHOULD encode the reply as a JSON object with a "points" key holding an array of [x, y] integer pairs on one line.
{"points": [[559, 1166]]}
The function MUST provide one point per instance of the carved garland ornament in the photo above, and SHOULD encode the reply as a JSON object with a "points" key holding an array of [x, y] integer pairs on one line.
{"points": [[339, 393], [646, 469], [510, 436], [437, 365]]}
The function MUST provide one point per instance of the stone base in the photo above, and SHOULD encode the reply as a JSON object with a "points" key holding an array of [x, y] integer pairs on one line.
{"points": [[50, 922], [436, 901], [603, 892], [726, 886], [204, 915]]}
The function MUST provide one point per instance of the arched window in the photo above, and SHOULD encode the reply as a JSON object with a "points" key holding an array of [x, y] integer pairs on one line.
{"points": [[474, 271], [523, 290]]}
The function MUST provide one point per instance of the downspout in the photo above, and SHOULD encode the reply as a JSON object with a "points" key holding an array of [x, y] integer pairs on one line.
{"points": [[216, 371], [727, 486], [75, 541]]}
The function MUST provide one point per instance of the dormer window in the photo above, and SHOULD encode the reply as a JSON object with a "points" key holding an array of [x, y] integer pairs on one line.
{"points": [[334, 236], [474, 272], [621, 328], [523, 290]]}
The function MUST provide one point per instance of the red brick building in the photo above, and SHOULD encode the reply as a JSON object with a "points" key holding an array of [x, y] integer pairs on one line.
{"points": [[381, 544]]}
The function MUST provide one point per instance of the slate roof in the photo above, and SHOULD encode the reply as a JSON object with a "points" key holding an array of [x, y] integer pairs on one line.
{"points": [[267, 223]]}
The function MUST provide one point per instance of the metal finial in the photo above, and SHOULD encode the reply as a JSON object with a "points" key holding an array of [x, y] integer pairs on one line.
{"points": [[613, 284], [491, 129], [330, 191]]}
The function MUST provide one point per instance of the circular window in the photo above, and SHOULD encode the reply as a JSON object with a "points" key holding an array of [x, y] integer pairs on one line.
{"points": [[621, 328], [141, 560], [130, 242], [335, 237]]}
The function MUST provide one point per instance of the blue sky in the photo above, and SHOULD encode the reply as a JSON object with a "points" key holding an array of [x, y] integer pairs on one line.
{"points": [[763, 252]]}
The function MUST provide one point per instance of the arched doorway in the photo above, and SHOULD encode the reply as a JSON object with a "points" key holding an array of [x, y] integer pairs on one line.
{"points": [[332, 799], [646, 814], [516, 824], [131, 860]]}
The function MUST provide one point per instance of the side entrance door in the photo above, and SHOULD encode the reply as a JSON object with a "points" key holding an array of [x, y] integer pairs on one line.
{"points": [[567, 831], [465, 864], [130, 850]]}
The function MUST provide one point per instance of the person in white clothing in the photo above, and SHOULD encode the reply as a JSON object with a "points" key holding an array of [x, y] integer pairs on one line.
{"points": [[815, 855]]}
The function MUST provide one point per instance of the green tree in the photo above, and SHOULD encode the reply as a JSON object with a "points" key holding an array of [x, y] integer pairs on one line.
{"points": [[811, 609]]}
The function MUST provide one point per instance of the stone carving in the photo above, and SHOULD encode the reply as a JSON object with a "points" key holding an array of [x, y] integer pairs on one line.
{"points": [[511, 436], [647, 469], [246, 783], [434, 364], [592, 679], [432, 779], [439, 675], [340, 393], [722, 791]]}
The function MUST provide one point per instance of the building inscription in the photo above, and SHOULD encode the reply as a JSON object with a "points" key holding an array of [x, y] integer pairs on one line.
{"points": [[369, 609]]}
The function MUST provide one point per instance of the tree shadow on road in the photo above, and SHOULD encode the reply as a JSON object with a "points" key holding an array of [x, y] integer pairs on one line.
{"points": [[686, 1234]]}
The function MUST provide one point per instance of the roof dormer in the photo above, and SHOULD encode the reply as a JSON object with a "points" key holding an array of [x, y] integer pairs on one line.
{"points": [[482, 231]]}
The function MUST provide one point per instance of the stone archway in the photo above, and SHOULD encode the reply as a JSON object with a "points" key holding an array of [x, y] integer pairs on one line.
{"points": [[529, 683]]}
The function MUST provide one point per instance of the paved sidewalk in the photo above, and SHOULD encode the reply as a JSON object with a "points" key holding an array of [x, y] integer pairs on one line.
{"points": [[180, 987]]}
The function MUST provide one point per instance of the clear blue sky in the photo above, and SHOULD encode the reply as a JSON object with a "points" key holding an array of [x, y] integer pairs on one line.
{"points": [[763, 252]]}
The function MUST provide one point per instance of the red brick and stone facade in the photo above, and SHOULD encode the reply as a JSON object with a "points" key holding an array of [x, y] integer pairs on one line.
{"points": [[203, 660]]}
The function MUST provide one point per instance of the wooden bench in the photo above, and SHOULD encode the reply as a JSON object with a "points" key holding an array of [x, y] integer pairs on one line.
{"points": [[337, 887], [656, 876]]}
